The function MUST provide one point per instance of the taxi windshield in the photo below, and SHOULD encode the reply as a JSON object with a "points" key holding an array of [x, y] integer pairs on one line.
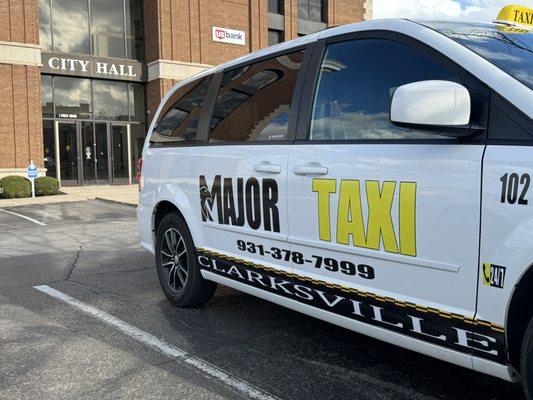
{"points": [[509, 50]]}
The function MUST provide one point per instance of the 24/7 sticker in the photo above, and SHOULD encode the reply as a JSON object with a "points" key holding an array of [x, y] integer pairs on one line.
{"points": [[493, 275]]}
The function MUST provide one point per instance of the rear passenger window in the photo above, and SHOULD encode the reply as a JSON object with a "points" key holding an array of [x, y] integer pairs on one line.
{"points": [[178, 121], [253, 102], [356, 82]]}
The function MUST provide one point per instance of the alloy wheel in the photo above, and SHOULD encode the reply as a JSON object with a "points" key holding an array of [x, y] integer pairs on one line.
{"points": [[174, 260]]}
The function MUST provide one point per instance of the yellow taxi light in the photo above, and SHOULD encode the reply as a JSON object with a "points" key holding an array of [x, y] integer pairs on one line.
{"points": [[520, 17]]}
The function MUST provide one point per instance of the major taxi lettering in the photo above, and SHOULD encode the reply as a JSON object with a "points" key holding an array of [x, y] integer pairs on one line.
{"points": [[379, 230], [254, 205]]}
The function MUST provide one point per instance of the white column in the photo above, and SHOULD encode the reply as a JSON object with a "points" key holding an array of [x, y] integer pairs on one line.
{"points": [[128, 132], [56, 140]]}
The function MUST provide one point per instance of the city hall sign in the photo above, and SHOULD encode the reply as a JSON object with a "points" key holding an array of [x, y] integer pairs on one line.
{"points": [[93, 67]]}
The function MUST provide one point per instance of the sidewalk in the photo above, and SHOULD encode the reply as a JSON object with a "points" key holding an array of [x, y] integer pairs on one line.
{"points": [[125, 194]]}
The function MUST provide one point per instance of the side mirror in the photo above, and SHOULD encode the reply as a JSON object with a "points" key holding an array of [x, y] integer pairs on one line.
{"points": [[442, 106]]}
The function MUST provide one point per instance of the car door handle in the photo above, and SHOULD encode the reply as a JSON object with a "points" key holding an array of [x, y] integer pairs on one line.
{"points": [[313, 168], [266, 166]]}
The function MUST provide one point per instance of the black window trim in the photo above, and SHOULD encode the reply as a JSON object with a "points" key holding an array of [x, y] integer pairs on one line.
{"points": [[508, 111], [479, 89]]}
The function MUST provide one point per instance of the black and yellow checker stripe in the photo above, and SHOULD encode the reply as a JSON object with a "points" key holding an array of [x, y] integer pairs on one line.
{"points": [[361, 293]]}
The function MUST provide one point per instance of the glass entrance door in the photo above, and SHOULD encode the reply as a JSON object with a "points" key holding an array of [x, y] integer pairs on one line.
{"points": [[88, 153], [120, 153], [93, 153], [102, 153], [68, 153]]}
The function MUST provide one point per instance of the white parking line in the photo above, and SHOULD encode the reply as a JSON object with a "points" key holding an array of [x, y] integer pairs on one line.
{"points": [[23, 216], [240, 386]]}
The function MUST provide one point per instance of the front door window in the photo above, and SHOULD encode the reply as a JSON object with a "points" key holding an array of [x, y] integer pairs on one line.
{"points": [[87, 153], [49, 141], [119, 140], [101, 154], [68, 153]]}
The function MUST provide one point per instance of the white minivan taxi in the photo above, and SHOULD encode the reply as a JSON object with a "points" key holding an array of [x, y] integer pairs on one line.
{"points": [[374, 175]]}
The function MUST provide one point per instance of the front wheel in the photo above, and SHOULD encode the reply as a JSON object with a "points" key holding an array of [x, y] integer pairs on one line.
{"points": [[526, 362], [177, 264]]}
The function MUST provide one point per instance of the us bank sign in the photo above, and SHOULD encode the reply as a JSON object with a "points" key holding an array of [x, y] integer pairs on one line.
{"points": [[93, 67], [225, 35]]}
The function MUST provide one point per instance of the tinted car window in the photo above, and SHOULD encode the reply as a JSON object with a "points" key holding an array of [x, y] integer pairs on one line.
{"points": [[356, 82], [179, 119], [253, 102]]}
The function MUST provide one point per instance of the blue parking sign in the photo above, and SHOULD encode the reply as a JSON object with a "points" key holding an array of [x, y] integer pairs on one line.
{"points": [[32, 171]]}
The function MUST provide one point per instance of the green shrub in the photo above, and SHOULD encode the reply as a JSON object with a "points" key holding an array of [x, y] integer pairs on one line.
{"points": [[46, 186], [15, 186]]}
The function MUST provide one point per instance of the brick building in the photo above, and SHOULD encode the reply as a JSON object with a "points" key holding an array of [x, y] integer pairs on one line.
{"points": [[80, 79]]}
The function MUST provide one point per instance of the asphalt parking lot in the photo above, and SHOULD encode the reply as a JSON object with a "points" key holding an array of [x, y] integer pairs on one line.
{"points": [[90, 252]]}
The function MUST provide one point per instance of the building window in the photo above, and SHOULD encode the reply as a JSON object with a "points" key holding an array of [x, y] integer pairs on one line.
{"points": [[72, 97], [312, 10], [276, 6], [47, 99], [76, 98], [115, 27], [70, 26], [45, 25], [134, 29], [107, 28], [110, 100], [275, 37], [136, 102]]}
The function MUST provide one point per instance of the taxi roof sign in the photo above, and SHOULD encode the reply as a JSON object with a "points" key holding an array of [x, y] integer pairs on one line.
{"points": [[516, 16]]}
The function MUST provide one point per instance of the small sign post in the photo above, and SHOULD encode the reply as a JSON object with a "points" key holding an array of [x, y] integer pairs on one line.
{"points": [[32, 174]]}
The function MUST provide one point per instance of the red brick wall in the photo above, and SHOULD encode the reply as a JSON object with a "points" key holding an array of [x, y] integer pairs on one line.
{"points": [[20, 21], [181, 29], [341, 12], [21, 137]]}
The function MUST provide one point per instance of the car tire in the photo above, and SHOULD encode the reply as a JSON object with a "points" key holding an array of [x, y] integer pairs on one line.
{"points": [[526, 362], [177, 264]]}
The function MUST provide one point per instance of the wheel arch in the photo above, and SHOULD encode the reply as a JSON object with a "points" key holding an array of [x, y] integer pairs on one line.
{"points": [[161, 209], [166, 206], [519, 313]]}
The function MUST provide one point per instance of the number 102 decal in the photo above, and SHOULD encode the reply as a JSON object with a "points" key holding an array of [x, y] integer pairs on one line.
{"points": [[513, 183]]}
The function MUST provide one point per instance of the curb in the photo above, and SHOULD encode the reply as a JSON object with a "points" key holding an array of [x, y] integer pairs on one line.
{"points": [[116, 202], [26, 201]]}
